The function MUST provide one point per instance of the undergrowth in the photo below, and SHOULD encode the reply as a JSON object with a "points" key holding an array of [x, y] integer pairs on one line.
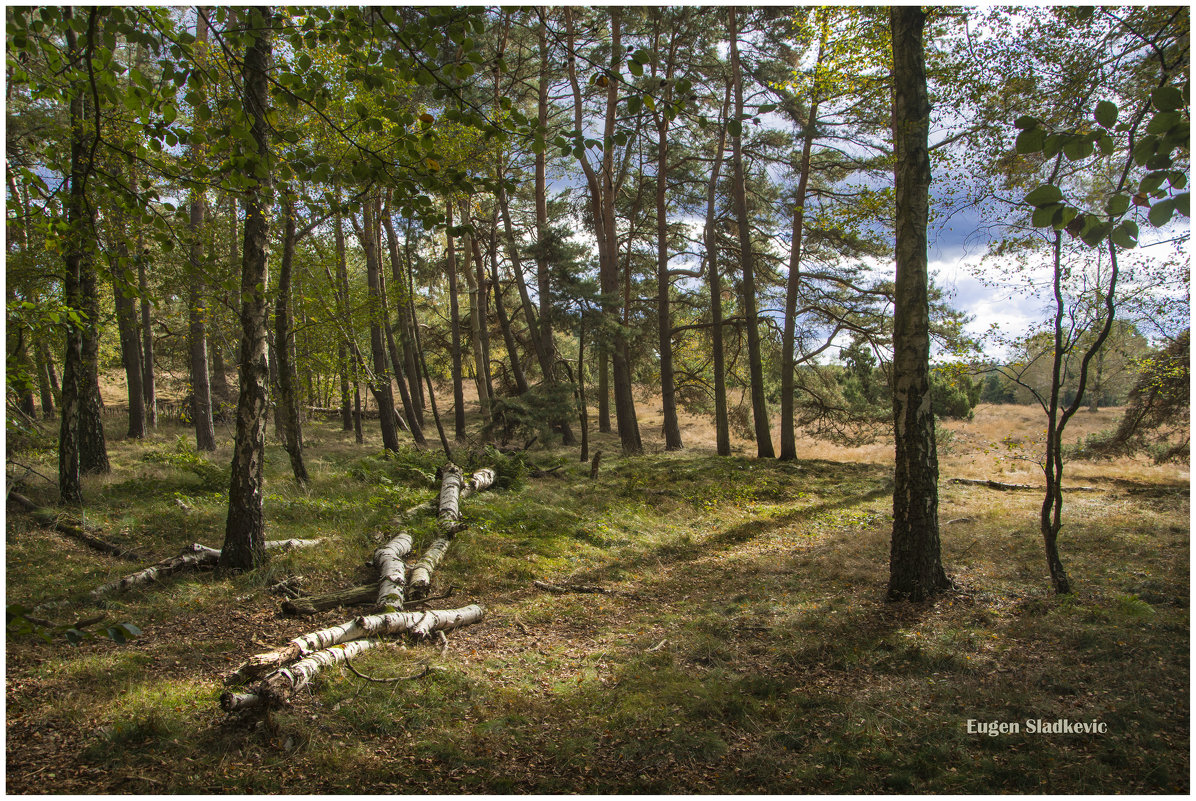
{"points": [[745, 646]]}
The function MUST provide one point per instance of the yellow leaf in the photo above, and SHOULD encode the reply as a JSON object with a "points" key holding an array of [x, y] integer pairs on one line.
{"points": [[433, 165]]}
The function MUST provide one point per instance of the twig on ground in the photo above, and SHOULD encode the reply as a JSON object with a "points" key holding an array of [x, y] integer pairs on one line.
{"points": [[392, 680]]}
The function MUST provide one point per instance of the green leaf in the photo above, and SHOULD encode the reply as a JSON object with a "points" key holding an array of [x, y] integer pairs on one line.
{"points": [[634, 105], [635, 68], [1167, 98], [1181, 204], [1125, 235], [1053, 144], [1160, 213], [734, 127], [1106, 113], [1096, 234], [1045, 215], [1177, 178], [1044, 195], [1105, 143], [1151, 182], [1030, 140], [1026, 123], [1163, 122], [767, 107], [1117, 205], [1078, 148]]}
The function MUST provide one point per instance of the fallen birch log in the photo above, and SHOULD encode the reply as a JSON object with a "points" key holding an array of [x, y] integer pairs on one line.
{"points": [[452, 482], [418, 623], [393, 570], [193, 557], [311, 604], [319, 649], [481, 480], [277, 688], [71, 528]]}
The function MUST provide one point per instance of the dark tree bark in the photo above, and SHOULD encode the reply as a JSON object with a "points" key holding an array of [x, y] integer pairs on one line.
{"points": [[402, 371], [380, 380], [603, 188], [747, 258], [244, 531], [788, 338], [504, 321], [423, 364], [69, 485], [197, 337], [714, 280], [481, 289], [126, 324], [288, 403], [481, 359], [455, 324], [42, 363], [603, 387], [664, 319], [342, 301], [147, 341], [915, 567]]}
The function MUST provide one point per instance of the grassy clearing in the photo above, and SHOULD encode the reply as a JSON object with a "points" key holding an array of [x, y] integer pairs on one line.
{"points": [[755, 655]]}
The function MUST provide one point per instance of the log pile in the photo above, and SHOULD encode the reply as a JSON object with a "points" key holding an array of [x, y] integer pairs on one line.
{"points": [[272, 678]]}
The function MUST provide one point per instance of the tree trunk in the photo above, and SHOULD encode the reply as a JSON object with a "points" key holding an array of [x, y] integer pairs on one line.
{"points": [[69, 527], [147, 340], [480, 365], [664, 320], [69, 485], [423, 365], [400, 359], [583, 411], [288, 404], [41, 361], [380, 381], [244, 532], [126, 323], [483, 308], [747, 258], [342, 300], [602, 201], [788, 340], [603, 385], [455, 325], [504, 322], [714, 280], [197, 337], [915, 570]]}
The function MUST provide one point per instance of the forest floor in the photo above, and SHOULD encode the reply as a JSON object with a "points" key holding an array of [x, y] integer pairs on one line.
{"points": [[749, 648]]}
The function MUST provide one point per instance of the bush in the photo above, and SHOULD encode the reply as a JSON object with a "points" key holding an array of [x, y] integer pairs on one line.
{"points": [[953, 395]]}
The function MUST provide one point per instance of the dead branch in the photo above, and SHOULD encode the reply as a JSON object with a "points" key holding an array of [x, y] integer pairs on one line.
{"points": [[561, 589], [999, 485], [71, 528], [425, 672]]}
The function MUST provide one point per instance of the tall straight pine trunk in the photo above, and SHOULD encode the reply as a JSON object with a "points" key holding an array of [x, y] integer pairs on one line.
{"points": [[746, 256]]}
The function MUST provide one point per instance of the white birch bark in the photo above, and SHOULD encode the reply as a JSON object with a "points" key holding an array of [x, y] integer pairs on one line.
{"points": [[193, 556], [336, 645], [392, 570], [368, 626]]}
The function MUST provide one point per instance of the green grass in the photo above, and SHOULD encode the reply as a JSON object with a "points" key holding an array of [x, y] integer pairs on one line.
{"points": [[750, 651]]}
